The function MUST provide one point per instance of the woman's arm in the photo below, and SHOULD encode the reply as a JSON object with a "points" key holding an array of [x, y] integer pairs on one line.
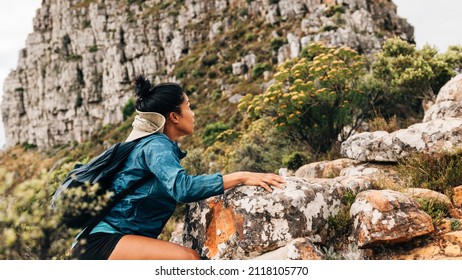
{"points": [[255, 179]]}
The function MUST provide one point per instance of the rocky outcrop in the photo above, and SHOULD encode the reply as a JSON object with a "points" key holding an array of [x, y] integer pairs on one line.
{"points": [[381, 146], [441, 130], [74, 74]]}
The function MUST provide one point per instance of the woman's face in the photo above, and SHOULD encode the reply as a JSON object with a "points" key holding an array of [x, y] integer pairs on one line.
{"points": [[186, 119]]}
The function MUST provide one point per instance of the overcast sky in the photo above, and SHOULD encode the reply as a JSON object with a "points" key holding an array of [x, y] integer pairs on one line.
{"points": [[436, 22]]}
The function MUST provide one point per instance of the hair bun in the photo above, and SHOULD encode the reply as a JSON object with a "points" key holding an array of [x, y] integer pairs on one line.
{"points": [[142, 86]]}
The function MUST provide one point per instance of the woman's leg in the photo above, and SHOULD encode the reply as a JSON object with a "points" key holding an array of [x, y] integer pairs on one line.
{"points": [[134, 247]]}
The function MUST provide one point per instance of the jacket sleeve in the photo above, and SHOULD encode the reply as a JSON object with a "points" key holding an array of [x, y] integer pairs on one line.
{"points": [[164, 163]]}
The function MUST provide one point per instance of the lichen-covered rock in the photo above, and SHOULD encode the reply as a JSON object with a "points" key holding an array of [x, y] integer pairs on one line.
{"points": [[448, 102], [297, 249], [386, 216], [380, 146], [248, 221], [324, 169]]}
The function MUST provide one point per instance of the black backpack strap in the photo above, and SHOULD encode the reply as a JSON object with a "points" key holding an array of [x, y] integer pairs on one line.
{"points": [[98, 218]]}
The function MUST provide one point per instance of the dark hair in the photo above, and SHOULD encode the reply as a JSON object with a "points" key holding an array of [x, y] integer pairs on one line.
{"points": [[162, 98]]}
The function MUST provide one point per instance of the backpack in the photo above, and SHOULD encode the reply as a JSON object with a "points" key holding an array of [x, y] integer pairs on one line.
{"points": [[101, 171]]}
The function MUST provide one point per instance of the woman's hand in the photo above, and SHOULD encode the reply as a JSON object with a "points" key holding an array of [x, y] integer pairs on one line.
{"points": [[264, 180]]}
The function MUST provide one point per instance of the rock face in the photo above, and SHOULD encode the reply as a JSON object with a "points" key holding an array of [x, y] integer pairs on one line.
{"points": [[74, 74]]}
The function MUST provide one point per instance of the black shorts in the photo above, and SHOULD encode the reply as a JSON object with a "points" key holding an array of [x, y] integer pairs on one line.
{"points": [[97, 246]]}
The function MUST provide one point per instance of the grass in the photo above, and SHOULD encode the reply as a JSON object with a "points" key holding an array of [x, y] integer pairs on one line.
{"points": [[439, 172]]}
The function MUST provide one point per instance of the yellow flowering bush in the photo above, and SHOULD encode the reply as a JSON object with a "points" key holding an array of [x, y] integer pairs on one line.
{"points": [[314, 96]]}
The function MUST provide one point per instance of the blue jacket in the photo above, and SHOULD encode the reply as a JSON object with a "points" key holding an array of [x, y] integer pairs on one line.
{"points": [[146, 211]]}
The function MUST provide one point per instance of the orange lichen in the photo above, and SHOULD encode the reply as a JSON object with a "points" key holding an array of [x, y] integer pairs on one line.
{"points": [[224, 223]]}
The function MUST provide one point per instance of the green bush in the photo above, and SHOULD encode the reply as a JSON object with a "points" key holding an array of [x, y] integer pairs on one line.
{"points": [[128, 109], [276, 43], [210, 59], [436, 209], [260, 148], [30, 229], [295, 160], [439, 172], [349, 198], [93, 48], [455, 224], [412, 75], [341, 223], [211, 132], [260, 68], [195, 163]]}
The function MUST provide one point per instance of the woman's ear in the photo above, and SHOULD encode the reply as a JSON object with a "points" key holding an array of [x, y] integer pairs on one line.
{"points": [[173, 117]]}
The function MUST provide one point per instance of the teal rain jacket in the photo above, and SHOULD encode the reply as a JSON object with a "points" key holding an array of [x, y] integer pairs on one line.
{"points": [[146, 211]]}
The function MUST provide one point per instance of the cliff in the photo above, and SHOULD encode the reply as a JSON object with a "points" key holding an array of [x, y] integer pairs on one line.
{"points": [[74, 74]]}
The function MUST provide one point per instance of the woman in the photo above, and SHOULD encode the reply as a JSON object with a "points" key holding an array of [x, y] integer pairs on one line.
{"points": [[130, 229]]}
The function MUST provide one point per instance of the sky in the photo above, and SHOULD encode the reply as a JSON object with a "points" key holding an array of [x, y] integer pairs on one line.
{"points": [[436, 22]]}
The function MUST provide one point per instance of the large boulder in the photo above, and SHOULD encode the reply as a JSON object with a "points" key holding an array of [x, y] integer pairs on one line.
{"points": [[247, 221], [448, 102], [387, 217]]}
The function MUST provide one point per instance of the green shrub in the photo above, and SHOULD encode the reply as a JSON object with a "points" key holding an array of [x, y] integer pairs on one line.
{"points": [[93, 48], [211, 132], [195, 163], [260, 148], [412, 75], [181, 73], [28, 146], [349, 198], [276, 43], [210, 59], [435, 208], [336, 9], [260, 68], [455, 224], [439, 172], [329, 27], [295, 160], [128, 109], [30, 229], [341, 223], [86, 23]]}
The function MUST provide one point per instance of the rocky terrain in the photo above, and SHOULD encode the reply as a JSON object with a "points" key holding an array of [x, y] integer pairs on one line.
{"points": [[293, 223]]}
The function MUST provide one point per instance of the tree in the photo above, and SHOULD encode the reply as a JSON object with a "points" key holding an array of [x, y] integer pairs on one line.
{"points": [[315, 96], [411, 76]]}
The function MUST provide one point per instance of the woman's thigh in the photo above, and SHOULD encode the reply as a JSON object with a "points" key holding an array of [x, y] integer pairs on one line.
{"points": [[134, 247]]}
